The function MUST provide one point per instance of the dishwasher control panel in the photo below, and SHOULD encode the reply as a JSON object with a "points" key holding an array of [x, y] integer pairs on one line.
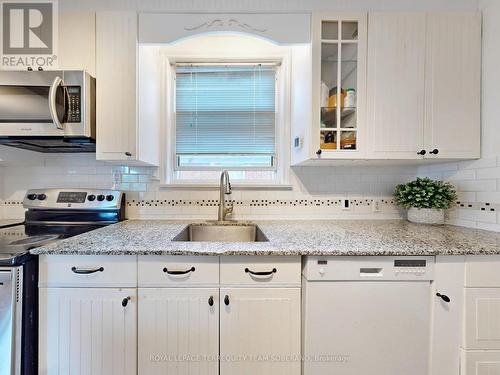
{"points": [[381, 268]]}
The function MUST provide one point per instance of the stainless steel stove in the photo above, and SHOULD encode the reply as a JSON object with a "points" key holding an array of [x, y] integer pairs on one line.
{"points": [[51, 215]]}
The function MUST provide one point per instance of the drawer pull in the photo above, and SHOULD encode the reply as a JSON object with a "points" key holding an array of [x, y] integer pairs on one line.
{"points": [[261, 273], [125, 301], [444, 297], [86, 271], [226, 300], [192, 269], [211, 301]]}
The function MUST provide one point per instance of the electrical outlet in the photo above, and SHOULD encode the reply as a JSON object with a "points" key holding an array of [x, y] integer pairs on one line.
{"points": [[376, 205], [346, 204]]}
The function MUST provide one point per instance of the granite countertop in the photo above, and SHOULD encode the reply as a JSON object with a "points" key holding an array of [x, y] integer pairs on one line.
{"points": [[384, 237]]}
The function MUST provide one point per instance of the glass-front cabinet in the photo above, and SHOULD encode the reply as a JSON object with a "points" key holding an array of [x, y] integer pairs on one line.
{"points": [[339, 84]]}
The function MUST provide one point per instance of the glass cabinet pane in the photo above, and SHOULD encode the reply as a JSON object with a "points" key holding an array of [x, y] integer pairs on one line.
{"points": [[349, 30], [349, 74], [329, 83], [348, 140], [328, 140], [329, 30]]}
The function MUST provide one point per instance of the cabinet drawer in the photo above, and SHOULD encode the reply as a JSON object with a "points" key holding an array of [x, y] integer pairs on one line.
{"points": [[482, 271], [175, 270], [260, 270], [88, 271], [482, 318], [480, 362]]}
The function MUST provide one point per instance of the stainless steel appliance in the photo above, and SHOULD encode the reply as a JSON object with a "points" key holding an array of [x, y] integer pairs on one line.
{"points": [[367, 315], [48, 111], [52, 214]]}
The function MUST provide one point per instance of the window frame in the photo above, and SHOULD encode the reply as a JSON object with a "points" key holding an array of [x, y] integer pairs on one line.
{"points": [[282, 122]]}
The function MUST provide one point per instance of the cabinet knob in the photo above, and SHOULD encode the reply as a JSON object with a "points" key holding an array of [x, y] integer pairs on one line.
{"points": [[125, 301], [435, 151], [421, 152], [318, 152], [226, 300], [444, 297], [128, 153], [211, 301]]}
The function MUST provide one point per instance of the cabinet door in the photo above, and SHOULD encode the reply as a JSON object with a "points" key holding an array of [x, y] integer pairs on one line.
{"points": [[260, 331], [87, 331], [396, 71], [77, 41], [480, 362], [453, 79], [482, 318], [447, 317], [116, 62], [178, 331]]}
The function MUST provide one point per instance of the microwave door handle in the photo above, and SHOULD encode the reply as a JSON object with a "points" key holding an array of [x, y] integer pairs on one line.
{"points": [[52, 102]]}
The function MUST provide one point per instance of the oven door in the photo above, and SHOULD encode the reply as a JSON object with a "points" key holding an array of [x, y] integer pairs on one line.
{"points": [[32, 103]]}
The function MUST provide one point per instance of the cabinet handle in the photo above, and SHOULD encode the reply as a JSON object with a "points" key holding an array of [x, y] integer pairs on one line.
{"points": [[435, 151], [226, 300], [84, 271], [444, 297], [211, 301], [421, 152], [128, 154], [125, 301], [263, 273], [192, 269]]}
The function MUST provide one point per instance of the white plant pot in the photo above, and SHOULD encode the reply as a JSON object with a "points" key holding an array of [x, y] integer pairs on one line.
{"points": [[426, 215]]}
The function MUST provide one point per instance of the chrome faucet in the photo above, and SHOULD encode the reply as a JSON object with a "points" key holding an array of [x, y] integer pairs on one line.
{"points": [[224, 189]]}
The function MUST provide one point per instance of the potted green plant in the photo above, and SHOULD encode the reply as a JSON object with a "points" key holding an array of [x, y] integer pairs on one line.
{"points": [[425, 199]]}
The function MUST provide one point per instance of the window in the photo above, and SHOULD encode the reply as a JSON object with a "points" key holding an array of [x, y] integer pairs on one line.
{"points": [[225, 116]]}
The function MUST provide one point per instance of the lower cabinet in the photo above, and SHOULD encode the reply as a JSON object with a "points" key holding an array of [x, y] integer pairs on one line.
{"points": [[178, 331], [87, 331], [481, 362], [260, 331]]}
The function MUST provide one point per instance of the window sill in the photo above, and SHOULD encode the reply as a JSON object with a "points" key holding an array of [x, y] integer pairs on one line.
{"points": [[234, 186]]}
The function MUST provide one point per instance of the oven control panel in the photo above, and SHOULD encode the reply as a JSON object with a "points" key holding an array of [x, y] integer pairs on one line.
{"points": [[74, 104], [73, 198]]}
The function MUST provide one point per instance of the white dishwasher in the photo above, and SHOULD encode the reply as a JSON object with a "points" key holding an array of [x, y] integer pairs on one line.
{"points": [[366, 315]]}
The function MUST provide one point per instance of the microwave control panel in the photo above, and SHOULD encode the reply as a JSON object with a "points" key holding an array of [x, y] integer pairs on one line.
{"points": [[74, 104]]}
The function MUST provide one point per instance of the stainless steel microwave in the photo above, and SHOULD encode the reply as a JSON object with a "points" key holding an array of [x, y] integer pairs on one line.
{"points": [[48, 111]]}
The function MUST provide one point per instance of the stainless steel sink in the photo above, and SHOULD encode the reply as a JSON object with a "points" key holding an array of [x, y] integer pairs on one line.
{"points": [[222, 232]]}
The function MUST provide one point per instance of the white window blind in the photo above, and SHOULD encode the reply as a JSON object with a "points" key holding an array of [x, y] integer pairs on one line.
{"points": [[225, 115]]}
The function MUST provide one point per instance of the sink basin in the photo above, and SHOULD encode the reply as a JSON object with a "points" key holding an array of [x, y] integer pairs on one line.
{"points": [[222, 232]]}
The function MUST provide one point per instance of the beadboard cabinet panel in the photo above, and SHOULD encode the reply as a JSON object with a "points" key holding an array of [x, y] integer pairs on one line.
{"points": [[396, 70], [87, 331], [453, 85], [178, 331]]}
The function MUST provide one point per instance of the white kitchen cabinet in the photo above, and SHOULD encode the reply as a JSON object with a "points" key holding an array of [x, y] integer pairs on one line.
{"points": [[87, 331], [76, 49], [396, 66], [339, 65], [447, 317], [424, 85], [178, 331], [482, 318], [480, 363], [453, 85], [259, 331], [128, 92]]}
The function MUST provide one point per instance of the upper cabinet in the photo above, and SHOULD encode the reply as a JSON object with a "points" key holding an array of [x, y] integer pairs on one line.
{"points": [[396, 68], [424, 85], [339, 84], [453, 85], [128, 92], [395, 86]]}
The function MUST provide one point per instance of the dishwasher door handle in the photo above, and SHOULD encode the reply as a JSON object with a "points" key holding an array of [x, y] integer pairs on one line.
{"points": [[371, 272]]}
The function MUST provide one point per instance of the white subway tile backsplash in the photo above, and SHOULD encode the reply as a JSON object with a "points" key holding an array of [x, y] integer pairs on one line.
{"points": [[476, 185]]}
